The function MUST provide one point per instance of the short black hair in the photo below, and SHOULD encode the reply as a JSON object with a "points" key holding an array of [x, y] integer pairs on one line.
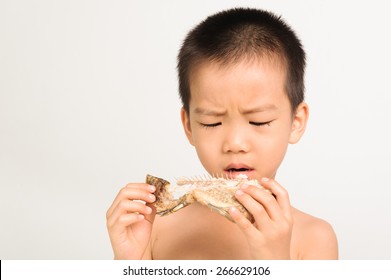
{"points": [[232, 35]]}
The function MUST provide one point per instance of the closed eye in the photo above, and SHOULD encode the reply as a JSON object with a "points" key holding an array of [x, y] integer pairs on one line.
{"points": [[207, 125], [260, 123]]}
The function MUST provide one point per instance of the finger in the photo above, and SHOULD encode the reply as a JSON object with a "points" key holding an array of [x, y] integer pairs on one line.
{"points": [[243, 223], [266, 199], [136, 196], [256, 209], [281, 195], [124, 221], [133, 192], [128, 207], [151, 217]]}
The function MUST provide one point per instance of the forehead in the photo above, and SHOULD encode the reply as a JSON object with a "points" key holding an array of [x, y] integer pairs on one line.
{"points": [[249, 78]]}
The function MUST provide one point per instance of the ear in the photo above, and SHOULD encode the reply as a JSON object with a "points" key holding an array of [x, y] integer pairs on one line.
{"points": [[299, 123], [186, 125]]}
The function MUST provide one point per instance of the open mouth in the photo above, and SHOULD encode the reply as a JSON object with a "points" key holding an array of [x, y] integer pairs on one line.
{"points": [[238, 169], [235, 169]]}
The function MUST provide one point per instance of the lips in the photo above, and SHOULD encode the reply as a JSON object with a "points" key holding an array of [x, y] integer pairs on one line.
{"points": [[235, 169]]}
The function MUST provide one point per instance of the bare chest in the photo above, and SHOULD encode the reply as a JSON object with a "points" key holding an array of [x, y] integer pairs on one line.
{"points": [[198, 233]]}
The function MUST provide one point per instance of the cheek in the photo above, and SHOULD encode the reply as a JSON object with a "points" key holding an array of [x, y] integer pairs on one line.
{"points": [[274, 148], [205, 147], [271, 150], [207, 150]]}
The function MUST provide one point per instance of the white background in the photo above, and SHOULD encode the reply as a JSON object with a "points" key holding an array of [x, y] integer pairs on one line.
{"points": [[89, 102]]}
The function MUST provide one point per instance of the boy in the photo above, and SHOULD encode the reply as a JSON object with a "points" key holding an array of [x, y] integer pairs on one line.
{"points": [[241, 80]]}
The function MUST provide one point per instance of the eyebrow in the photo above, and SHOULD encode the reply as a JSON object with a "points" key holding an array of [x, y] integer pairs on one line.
{"points": [[201, 111], [216, 113], [263, 108]]}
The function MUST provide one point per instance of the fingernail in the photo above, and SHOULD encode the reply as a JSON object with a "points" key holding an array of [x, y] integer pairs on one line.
{"points": [[264, 179], [151, 188], [239, 192], [152, 197], [148, 210], [244, 186]]}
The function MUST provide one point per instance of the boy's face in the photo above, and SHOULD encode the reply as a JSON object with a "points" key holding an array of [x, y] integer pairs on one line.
{"points": [[240, 120]]}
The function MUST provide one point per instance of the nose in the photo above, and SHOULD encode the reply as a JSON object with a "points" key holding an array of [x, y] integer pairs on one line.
{"points": [[236, 140]]}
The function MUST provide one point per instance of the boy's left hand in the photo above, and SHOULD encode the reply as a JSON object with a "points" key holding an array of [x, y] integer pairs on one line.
{"points": [[270, 236]]}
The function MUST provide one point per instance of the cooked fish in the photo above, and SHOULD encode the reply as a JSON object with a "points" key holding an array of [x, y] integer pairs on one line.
{"points": [[216, 193]]}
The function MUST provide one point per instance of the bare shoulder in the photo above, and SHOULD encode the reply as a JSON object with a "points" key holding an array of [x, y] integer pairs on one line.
{"points": [[313, 238]]}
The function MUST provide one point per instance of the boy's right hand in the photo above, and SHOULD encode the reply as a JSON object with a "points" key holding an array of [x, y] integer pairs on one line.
{"points": [[129, 220]]}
